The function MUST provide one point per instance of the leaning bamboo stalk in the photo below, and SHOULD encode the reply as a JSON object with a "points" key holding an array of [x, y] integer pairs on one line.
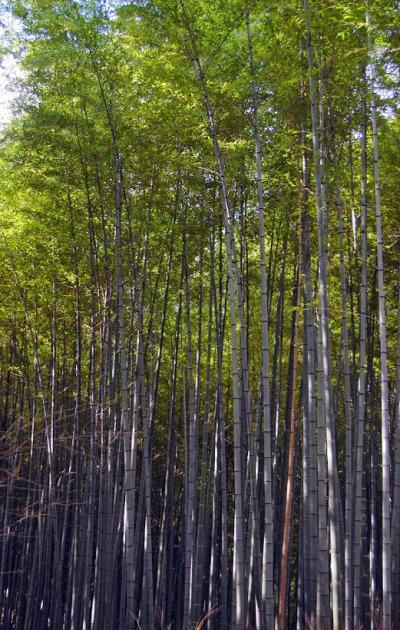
{"points": [[361, 402], [385, 426], [238, 561], [290, 481], [335, 567], [268, 560]]}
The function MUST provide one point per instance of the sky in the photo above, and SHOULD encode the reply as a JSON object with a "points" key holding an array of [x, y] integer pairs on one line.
{"points": [[9, 70]]}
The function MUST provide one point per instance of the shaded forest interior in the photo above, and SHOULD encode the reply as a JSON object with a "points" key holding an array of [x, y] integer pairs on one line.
{"points": [[200, 316]]}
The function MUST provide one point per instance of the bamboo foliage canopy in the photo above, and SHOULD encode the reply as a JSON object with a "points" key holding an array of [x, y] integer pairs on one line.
{"points": [[200, 316]]}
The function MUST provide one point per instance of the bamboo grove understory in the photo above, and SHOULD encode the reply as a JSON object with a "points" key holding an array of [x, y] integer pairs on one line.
{"points": [[200, 316]]}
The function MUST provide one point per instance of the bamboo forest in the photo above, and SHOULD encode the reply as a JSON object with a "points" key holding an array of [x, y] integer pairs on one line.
{"points": [[200, 315]]}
